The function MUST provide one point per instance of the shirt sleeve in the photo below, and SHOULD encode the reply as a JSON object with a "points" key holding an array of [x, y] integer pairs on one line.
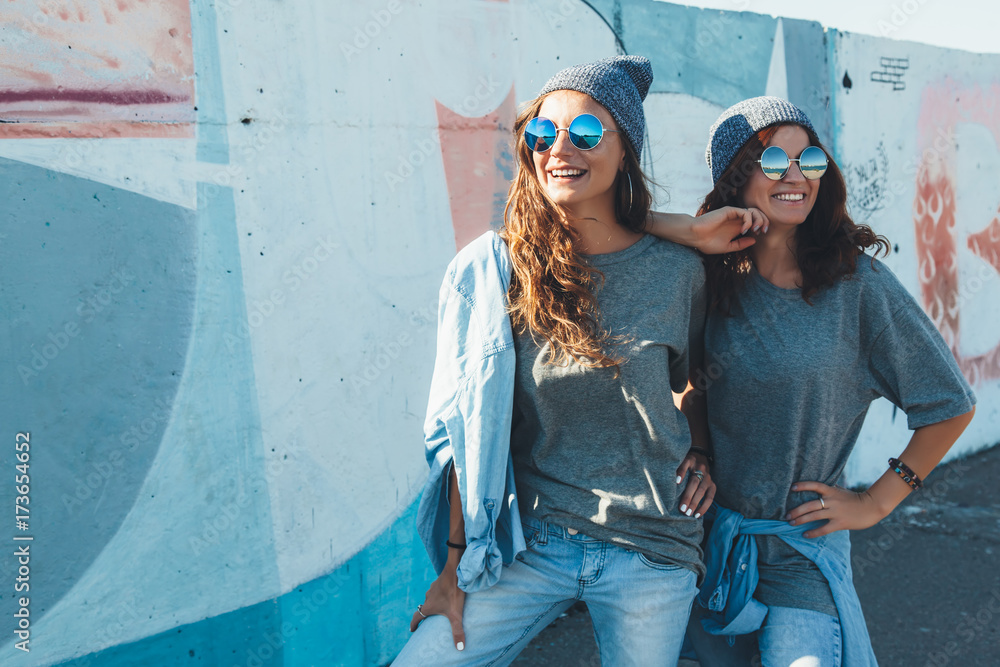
{"points": [[684, 365], [912, 366], [434, 512]]}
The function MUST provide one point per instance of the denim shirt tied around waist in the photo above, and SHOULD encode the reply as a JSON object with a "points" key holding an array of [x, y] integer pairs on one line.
{"points": [[731, 579], [469, 417]]}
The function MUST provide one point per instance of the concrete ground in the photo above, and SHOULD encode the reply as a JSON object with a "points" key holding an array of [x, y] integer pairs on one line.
{"points": [[928, 577]]}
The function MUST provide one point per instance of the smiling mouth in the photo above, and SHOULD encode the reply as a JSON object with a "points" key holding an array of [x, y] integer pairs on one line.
{"points": [[790, 197], [567, 174]]}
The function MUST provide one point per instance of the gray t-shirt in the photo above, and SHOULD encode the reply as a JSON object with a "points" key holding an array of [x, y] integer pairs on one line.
{"points": [[792, 384], [599, 454]]}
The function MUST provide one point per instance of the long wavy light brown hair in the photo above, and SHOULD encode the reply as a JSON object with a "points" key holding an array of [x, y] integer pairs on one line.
{"points": [[552, 292], [827, 244]]}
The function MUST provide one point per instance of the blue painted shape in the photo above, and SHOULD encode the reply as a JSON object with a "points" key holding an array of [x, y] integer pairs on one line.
{"points": [[807, 68], [213, 133], [835, 78], [96, 305], [248, 637], [358, 615], [722, 57], [223, 528]]}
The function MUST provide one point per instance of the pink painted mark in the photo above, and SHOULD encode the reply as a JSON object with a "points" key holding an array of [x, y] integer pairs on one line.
{"points": [[944, 106], [478, 166], [120, 97], [97, 68]]}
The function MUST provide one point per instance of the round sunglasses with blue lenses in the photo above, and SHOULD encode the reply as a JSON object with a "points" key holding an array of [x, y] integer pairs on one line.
{"points": [[585, 132], [774, 162]]}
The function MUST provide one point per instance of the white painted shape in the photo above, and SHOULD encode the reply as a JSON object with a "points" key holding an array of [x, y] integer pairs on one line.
{"points": [[777, 77], [977, 161], [337, 265], [147, 167], [678, 133], [979, 296]]}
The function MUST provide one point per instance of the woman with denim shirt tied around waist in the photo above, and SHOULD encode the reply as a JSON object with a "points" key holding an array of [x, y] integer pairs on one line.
{"points": [[561, 468], [804, 331]]}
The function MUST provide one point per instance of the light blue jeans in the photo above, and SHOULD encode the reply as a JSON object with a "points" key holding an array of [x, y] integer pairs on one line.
{"points": [[789, 638], [639, 607]]}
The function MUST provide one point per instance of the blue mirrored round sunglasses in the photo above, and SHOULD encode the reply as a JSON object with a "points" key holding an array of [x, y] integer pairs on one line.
{"points": [[774, 162], [585, 132]]}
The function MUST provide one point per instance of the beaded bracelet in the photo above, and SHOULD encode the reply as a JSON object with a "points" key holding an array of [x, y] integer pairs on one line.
{"points": [[453, 545], [906, 473]]}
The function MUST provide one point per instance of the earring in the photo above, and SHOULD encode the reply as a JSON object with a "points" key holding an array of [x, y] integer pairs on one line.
{"points": [[629, 190]]}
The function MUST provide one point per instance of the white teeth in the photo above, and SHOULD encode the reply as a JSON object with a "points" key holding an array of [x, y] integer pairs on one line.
{"points": [[790, 197], [567, 172]]}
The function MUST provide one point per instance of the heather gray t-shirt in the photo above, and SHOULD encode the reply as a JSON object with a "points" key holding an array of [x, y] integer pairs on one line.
{"points": [[792, 384], [599, 454]]}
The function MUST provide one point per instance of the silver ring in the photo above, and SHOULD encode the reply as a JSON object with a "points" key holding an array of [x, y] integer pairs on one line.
{"points": [[699, 474], [419, 610], [822, 504]]}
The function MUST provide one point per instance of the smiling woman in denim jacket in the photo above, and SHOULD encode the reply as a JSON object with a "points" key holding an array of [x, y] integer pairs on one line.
{"points": [[561, 467], [806, 330]]}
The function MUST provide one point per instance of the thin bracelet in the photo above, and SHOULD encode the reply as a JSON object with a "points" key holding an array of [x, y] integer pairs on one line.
{"points": [[906, 473], [455, 546]]}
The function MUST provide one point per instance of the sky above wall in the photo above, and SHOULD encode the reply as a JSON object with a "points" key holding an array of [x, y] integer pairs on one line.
{"points": [[957, 24]]}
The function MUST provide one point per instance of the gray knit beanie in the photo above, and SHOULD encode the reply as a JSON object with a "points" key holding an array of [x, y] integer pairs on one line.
{"points": [[743, 120], [619, 84]]}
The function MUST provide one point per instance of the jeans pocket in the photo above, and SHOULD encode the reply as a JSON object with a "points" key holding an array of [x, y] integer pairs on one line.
{"points": [[657, 562]]}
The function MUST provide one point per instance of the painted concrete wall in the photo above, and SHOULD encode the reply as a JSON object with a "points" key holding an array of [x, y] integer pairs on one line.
{"points": [[224, 226]]}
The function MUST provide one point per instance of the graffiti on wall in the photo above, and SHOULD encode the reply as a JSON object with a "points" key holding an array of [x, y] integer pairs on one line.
{"points": [[478, 165], [258, 372], [868, 180], [892, 72], [943, 107], [96, 68]]}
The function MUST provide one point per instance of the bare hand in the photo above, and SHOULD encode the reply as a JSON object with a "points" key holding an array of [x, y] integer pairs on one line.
{"points": [[842, 509], [446, 598], [723, 230], [700, 491]]}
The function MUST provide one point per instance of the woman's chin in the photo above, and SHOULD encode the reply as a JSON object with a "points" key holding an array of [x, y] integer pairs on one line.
{"points": [[789, 220], [563, 198]]}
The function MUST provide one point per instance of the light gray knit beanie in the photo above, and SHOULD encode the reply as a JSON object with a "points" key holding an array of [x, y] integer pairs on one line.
{"points": [[619, 84], [743, 120]]}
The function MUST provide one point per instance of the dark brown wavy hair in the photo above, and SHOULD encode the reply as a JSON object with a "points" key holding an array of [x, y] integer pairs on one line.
{"points": [[552, 292], [827, 244]]}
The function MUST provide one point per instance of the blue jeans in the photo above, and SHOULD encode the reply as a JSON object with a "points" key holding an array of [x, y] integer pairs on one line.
{"points": [[639, 607], [789, 638]]}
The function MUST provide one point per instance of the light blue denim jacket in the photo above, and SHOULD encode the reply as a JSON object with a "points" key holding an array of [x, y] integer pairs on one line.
{"points": [[469, 417], [731, 561]]}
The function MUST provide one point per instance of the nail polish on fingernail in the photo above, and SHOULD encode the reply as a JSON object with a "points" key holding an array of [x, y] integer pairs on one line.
{"points": [[689, 512], [756, 228], [684, 508], [697, 515], [679, 479], [460, 646]]}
